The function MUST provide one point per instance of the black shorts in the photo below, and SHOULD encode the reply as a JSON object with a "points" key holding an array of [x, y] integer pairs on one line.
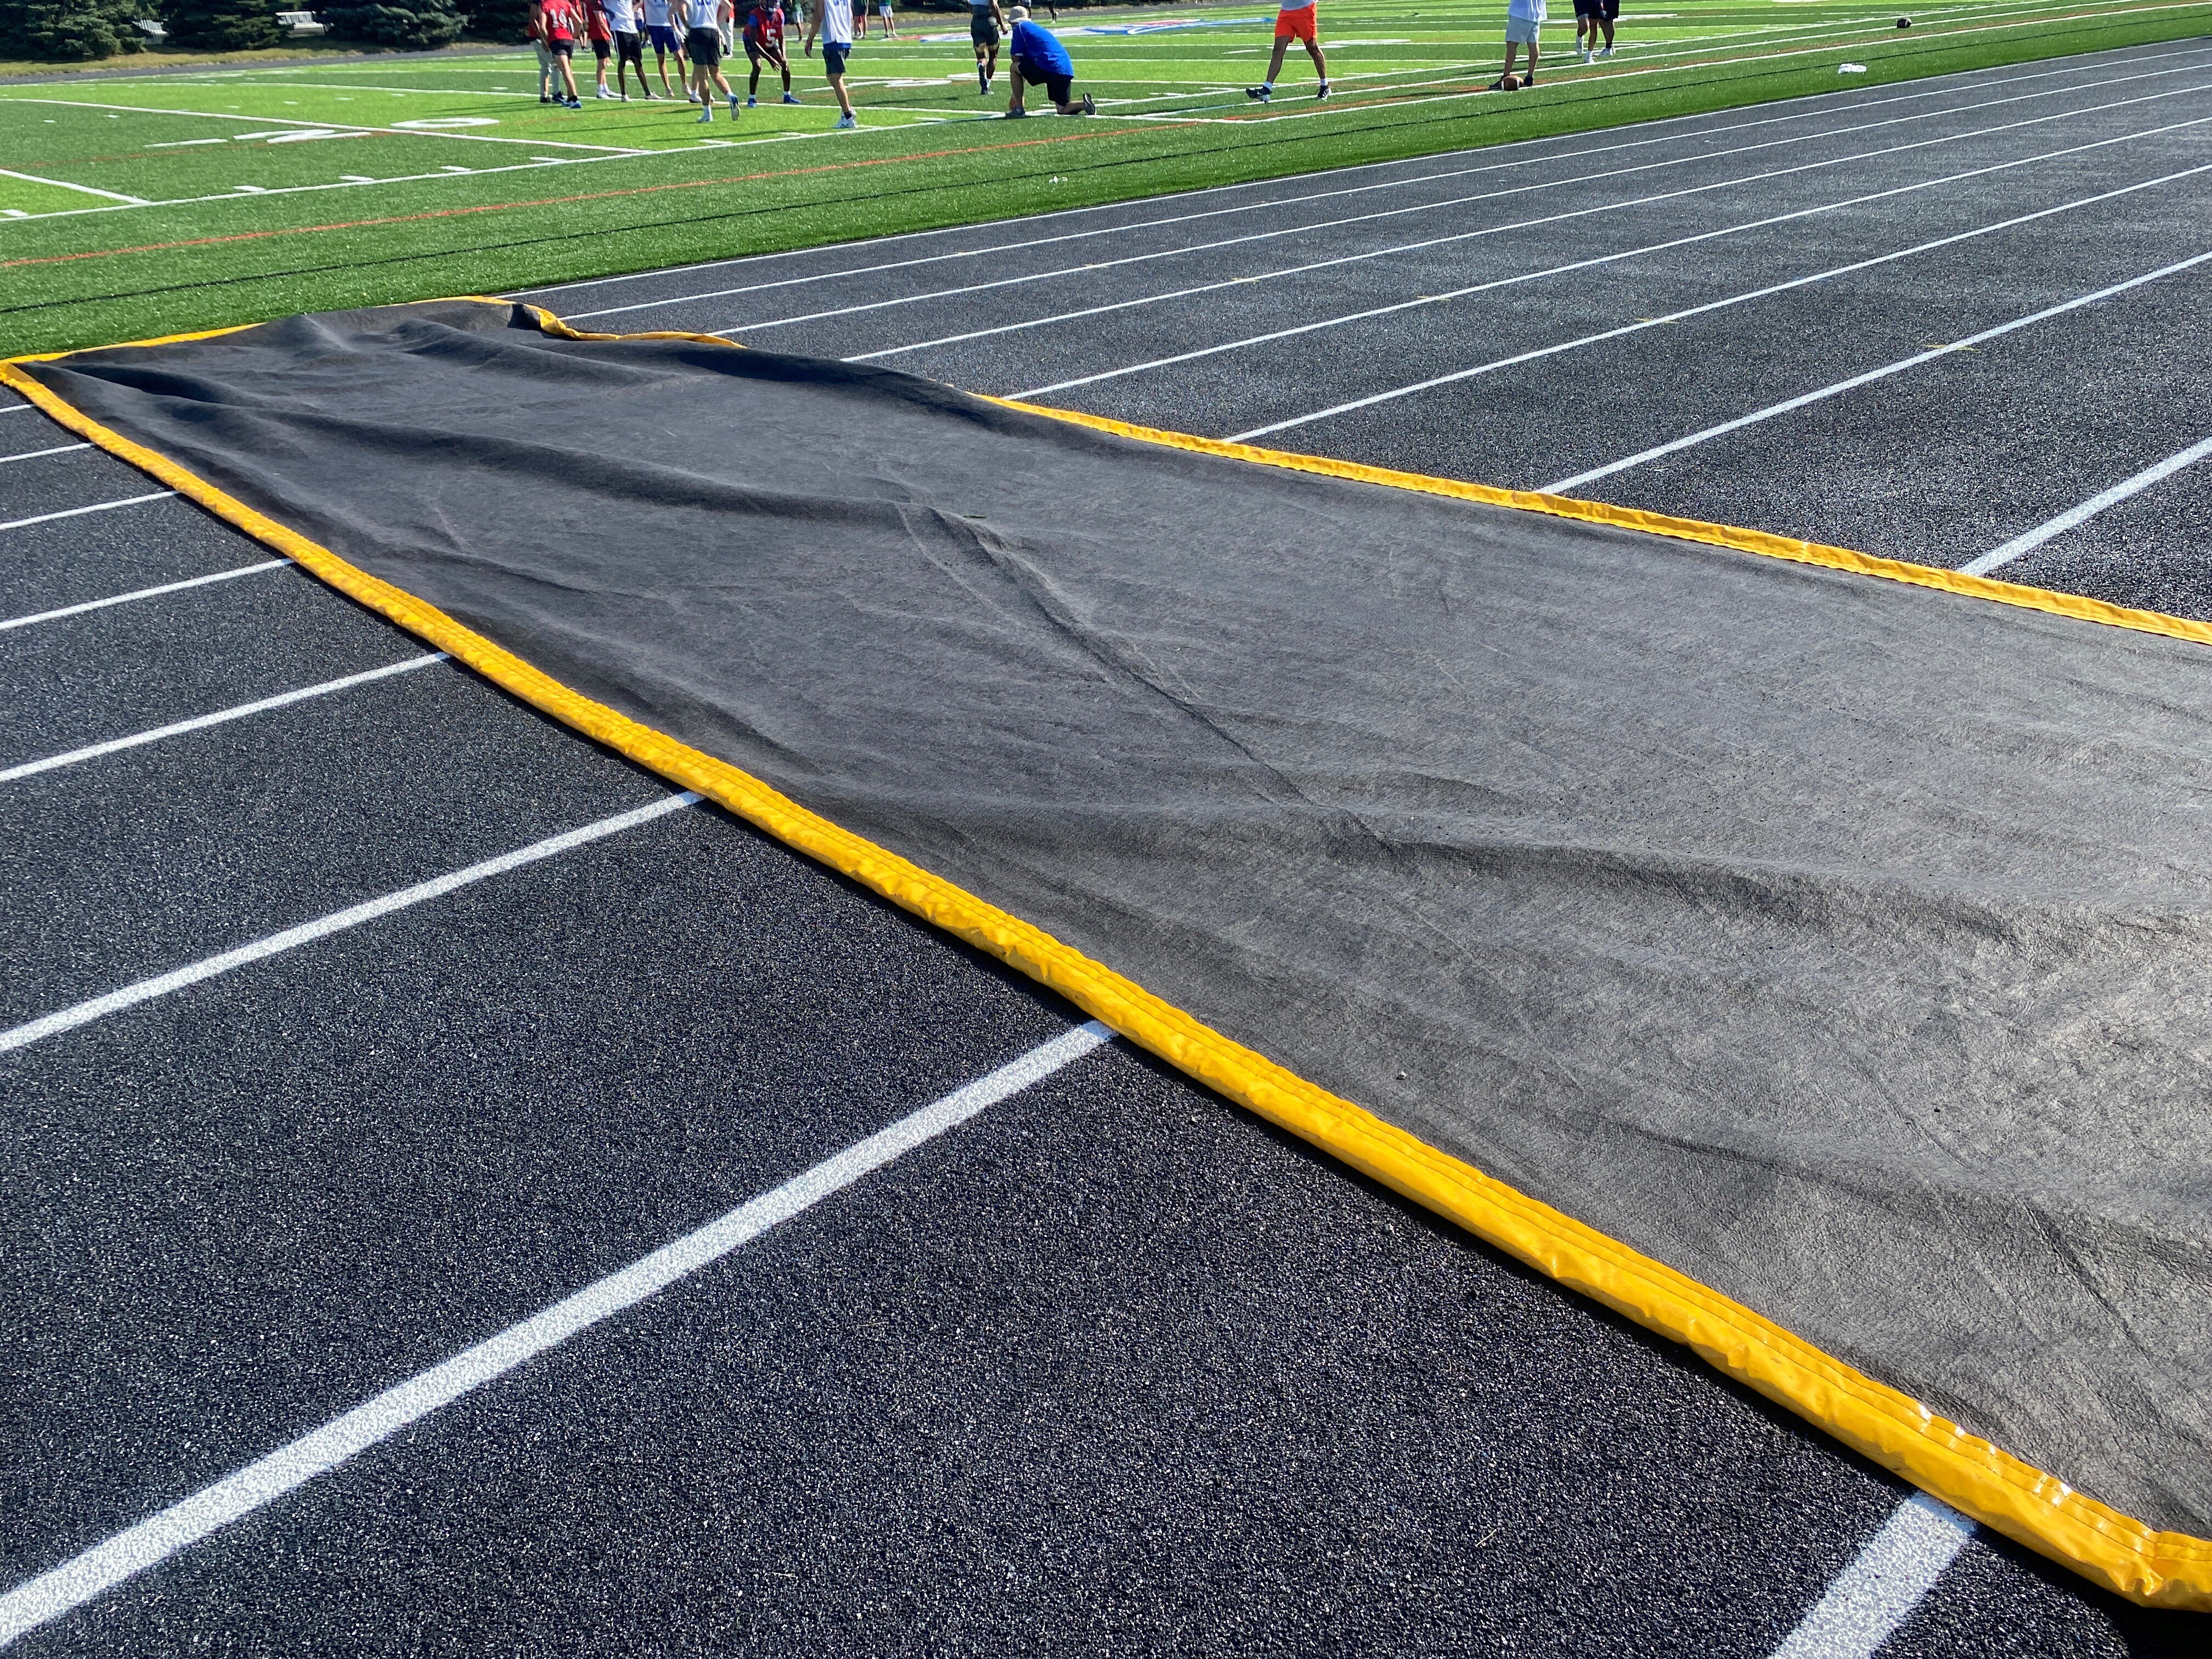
{"points": [[602, 49], [704, 47], [834, 54], [1605, 9], [562, 48], [982, 30], [630, 49], [1056, 87], [761, 53]]}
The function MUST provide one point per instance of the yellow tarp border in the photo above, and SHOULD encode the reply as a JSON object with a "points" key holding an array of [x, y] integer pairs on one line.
{"points": [[2154, 1568]]}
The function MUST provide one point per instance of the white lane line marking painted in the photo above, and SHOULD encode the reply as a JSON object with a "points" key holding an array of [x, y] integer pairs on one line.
{"points": [[296, 121], [1563, 485], [1946, 87], [2088, 509], [182, 1524], [114, 745], [141, 593], [129, 996], [1301, 201], [97, 507], [1872, 1597], [1444, 206], [63, 184], [15, 409], [33, 454], [1712, 306]]}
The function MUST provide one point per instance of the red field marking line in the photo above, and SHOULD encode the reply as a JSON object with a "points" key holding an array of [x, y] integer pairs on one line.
{"points": [[558, 201]]}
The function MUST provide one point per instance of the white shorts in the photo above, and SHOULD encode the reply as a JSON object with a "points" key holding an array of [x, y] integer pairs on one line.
{"points": [[1521, 32]]}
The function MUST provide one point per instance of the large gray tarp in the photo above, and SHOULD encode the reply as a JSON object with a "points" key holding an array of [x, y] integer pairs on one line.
{"points": [[1843, 945]]}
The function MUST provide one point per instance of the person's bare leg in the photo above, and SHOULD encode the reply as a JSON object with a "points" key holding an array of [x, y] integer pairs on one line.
{"points": [[568, 77], [1320, 62], [1512, 51], [1275, 62], [844, 97]]}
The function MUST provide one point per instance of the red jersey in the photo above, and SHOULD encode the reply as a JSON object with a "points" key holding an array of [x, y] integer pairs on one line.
{"points": [[764, 25], [563, 20], [596, 20]]}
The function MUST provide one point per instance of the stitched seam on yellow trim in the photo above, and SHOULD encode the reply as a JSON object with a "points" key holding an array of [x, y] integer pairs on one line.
{"points": [[1965, 1465], [1628, 518]]}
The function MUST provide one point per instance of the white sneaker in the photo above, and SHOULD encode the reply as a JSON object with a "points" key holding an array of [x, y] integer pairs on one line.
{"points": [[845, 124], [1586, 55], [706, 116], [603, 93], [1607, 52]]}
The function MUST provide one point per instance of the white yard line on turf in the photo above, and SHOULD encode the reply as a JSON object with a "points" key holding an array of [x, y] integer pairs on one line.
{"points": [[1997, 557], [290, 1467], [161, 985], [76, 511], [200, 722], [334, 126], [1560, 486], [1415, 208], [79, 608], [1874, 1595], [61, 184], [1370, 312], [34, 454], [1941, 87]]}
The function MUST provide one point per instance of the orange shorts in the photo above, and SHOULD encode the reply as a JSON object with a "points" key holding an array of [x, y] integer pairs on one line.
{"points": [[1297, 25]]}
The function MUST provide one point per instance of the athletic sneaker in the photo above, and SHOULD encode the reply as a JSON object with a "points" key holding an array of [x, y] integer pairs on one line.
{"points": [[845, 124], [1263, 93], [1586, 54], [1321, 91], [734, 106], [751, 103], [602, 93], [789, 98], [1016, 115], [1607, 52], [575, 103], [543, 98], [706, 116], [1090, 105]]}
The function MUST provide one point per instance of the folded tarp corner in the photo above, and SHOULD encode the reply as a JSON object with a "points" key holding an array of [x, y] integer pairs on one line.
{"points": [[1804, 963]]}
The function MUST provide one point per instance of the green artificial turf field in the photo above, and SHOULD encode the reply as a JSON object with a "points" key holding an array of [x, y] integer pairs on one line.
{"points": [[133, 206]]}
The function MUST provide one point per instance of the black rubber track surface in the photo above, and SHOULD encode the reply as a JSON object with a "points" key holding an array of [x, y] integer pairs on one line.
{"points": [[1114, 1368]]}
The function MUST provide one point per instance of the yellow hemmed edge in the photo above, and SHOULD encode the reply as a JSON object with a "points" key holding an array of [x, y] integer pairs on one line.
{"points": [[2157, 1569]]}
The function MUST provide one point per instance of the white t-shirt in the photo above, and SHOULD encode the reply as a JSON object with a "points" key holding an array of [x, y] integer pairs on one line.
{"points": [[656, 14], [837, 21], [1298, 5], [703, 13], [1526, 11], [621, 17]]}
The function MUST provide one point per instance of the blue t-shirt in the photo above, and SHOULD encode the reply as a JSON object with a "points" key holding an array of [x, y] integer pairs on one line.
{"points": [[1042, 47]]}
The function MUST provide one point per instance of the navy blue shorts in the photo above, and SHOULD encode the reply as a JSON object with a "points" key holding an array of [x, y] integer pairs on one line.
{"points": [[834, 53]]}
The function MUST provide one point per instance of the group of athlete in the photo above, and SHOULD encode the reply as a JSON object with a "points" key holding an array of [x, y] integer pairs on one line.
{"points": [[699, 34]]}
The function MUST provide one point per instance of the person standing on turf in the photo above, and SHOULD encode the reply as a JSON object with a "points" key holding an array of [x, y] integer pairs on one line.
{"points": [[833, 22], [1591, 17], [1040, 60], [890, 23], [1298, 20], [533, 30], [764, 44], [1524, 21], [661, 32], [601, 32], [562, 20], [702, 44], [629, 48], [986, 22]]}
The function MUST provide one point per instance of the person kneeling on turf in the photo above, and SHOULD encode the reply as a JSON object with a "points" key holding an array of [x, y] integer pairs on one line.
{"points": [[1040, 60]]}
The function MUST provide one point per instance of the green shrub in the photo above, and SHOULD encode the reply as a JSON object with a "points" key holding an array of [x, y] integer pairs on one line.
{"points": [[412, 25], [68, 31], [495, 19], [222, 24]]}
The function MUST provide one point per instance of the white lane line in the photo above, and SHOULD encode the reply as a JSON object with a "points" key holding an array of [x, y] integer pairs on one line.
{"points": [[1947, 87], [113, 745], [15, 409], [288, 1468], [1884, 1583], [1560, 486], [1620, 173], [141, 593], [1512, 226], [2089, 509], [33, 454], [129, 996], [97, 507], [63, 184], [1712, 306], [296, 121]]}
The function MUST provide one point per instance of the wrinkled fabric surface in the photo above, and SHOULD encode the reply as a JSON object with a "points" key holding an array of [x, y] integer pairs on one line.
{"points": [[1841, 944]]}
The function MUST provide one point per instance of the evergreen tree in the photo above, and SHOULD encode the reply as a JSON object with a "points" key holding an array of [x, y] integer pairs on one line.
{"points": [[411, 25], [495, 19], [68, 31], [222, 24]]}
